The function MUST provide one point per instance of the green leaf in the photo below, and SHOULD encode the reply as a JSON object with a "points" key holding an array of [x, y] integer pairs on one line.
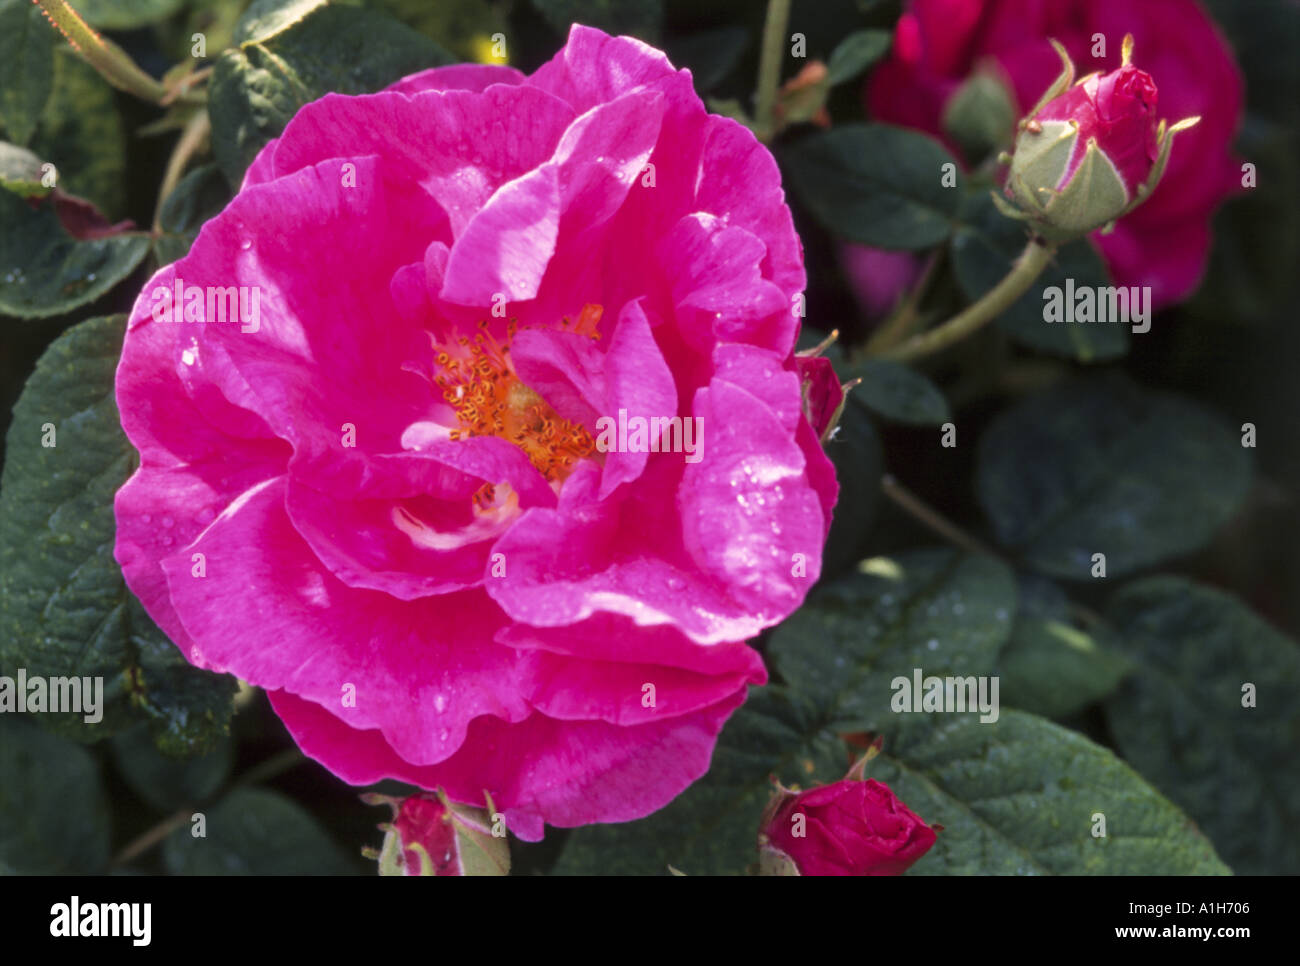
{"points": [[266, 18], [20, 172], [875, 184], [943, 611], [283, 63], [1102, 466], [1181, 717], [81, 133], [26, 67], [200, 194], [983, 248], [837, 656], [45, 271], [126, 14], [1051, 666], [855, 53], [168, 783], [640, 18], [1020, 796], [255, 831], [53, 811], [64, 608], [900, 393]]}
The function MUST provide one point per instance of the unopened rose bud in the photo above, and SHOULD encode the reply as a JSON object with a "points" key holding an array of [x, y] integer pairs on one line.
{"points": [[431, 835], [823, 395], [852, 827], [1089, 152]]}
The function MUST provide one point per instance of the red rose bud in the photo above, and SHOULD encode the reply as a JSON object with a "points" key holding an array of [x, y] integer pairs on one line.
{"points": [[430, 835], [823, 395], [1089, 152], [852, 827]]}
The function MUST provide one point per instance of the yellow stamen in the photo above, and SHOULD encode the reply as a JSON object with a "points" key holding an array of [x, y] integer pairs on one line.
{"points": [[490, 400]]}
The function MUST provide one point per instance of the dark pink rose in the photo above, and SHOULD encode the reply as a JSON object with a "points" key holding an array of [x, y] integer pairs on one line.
{"points": [[1118, 111], [849, 828], [823, 396], [1165, 242], [387, 490], [1090, 152]]}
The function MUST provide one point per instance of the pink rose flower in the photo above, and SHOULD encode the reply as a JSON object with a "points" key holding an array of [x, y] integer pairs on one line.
{"points": [[392, 499], [849, 828], [1165, 242], [1090, 152], [1116, 110]]}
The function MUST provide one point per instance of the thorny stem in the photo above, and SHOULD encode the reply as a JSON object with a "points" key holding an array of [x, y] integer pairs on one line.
{"points": [[769, 68], [105, 56], [1036, 257]]}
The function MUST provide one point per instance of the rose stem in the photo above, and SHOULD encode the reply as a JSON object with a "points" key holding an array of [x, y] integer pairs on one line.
{"points": [[769, 68], [105, 56], [1036, 257]]}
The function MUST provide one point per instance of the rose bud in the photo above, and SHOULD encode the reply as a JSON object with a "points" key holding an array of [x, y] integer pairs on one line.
{"points": [[1089, 152], [822, 392], [430, 835], [852, 827]]}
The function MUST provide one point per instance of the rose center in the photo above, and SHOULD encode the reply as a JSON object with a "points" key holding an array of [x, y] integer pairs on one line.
{"points": [[479, 382]]}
